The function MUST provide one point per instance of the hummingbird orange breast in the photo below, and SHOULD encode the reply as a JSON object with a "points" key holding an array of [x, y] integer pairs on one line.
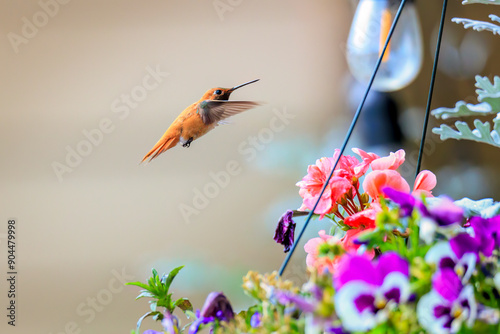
{"points": [[191, 124]]}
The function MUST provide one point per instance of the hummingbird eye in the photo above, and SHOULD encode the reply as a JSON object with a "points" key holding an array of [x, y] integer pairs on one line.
{"points": [[218, 92]]}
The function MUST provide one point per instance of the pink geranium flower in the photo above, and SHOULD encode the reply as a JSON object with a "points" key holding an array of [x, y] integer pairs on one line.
{"points": [[393, 161], [424, 183], [351, 247], [313, 260], [312, 183], [367, 160], [378, 179], [327, 262], [345, 178]]}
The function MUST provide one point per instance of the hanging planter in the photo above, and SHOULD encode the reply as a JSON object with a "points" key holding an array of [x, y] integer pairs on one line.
{"points": [[397, 259]]}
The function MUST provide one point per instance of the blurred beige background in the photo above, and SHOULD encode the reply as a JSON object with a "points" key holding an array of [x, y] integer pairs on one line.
{"points": [[80, 232]]}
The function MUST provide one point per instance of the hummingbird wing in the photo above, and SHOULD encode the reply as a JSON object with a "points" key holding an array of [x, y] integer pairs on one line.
{"points": [[212, 111]]}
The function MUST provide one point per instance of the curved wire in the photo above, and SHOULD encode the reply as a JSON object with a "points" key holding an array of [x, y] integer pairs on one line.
{"points": [[348, 136], [431, 88]]}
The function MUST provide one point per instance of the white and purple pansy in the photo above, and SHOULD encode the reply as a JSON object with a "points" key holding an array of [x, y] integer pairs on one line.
{"points": [[366, 291], [442, 210], [448, 306], [460, 254], [440, 214]]}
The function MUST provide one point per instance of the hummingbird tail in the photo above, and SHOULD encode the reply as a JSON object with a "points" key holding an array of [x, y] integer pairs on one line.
{"points": [[161, 146]]}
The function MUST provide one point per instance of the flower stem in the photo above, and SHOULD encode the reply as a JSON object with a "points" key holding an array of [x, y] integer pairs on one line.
{"points": [[348, 210], [361, 205]]}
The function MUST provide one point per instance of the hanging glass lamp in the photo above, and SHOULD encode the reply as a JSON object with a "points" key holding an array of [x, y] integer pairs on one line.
{"points": [[369, 30]]}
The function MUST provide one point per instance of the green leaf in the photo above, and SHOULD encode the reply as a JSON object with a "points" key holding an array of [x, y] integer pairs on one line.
{"points": [[184, 304], [149, 314], [485, 208], [139, 284], [485, 2], [190, 314], [489, 97], [185, 328], [480, 134], [463, 109], [145, 294], [170, 277], [488, 92], [158, 316], [333, 229], [479, 25]]}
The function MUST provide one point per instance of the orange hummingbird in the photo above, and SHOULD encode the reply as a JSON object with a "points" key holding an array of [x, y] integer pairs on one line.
{"points": [[199, 118]]}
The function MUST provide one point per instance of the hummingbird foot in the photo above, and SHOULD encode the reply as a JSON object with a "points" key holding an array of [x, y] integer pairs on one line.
{"points": [[188, 143]]}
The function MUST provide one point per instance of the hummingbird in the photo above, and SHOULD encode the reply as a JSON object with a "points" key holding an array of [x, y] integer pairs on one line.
{"points": [[201, 117]]}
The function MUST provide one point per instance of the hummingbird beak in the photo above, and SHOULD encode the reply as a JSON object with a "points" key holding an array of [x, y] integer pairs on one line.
{"points": [[246, 83]]}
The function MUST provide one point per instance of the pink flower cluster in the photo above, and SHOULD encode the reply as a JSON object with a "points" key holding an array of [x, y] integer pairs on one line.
{"points": [[343, 199]]}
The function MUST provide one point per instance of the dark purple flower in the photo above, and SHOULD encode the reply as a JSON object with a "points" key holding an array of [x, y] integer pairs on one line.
{"points": [[487, 233], [285, 231], [216, 307], [405, 201], [464, 243], [335, 330], [443, 211], [255, 320]]}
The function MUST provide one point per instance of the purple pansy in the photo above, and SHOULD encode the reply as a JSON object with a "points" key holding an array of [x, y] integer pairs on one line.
{"points": [[216, 307], [442, 210], [448, 305], [335, 330], [405, 201], [360, 268], [195, 326], [487, 233], [320, 316], [287, 297], [460, 254], [285, 231], [255, 320], [170, 323], [366, 291]]}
